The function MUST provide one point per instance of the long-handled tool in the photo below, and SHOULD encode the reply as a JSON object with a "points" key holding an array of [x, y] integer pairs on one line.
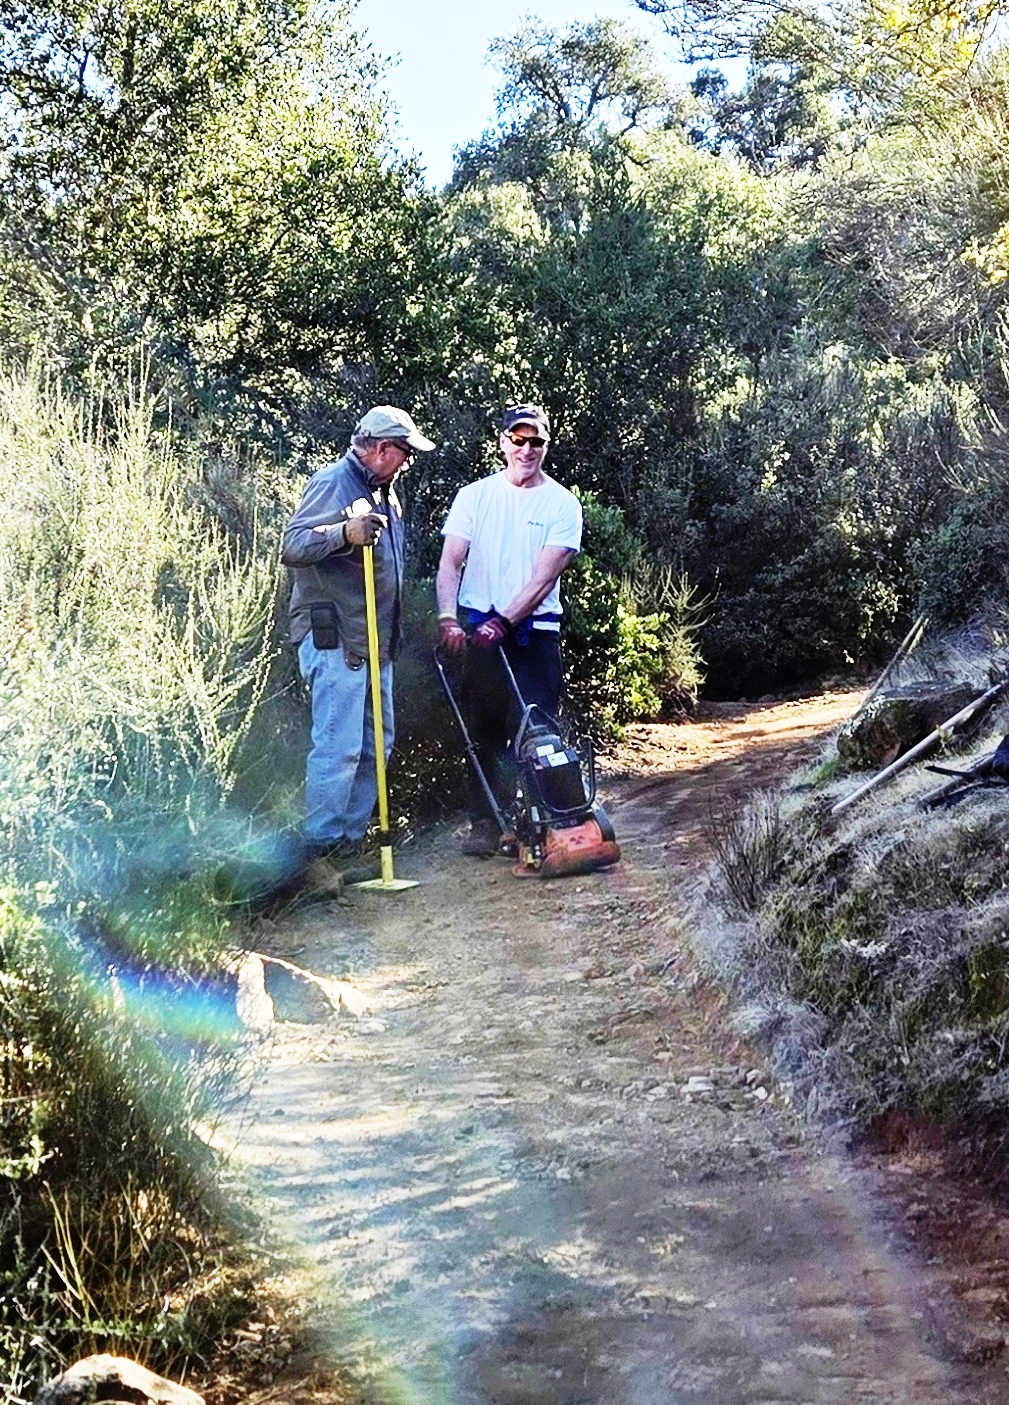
{"points": [[558, 826], [984, 774], [907, 647], [388, 882]]}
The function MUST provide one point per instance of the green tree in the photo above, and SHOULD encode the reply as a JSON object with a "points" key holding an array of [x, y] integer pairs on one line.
{"points": [[623, 261], [567, 98], [790, 112], [886, 58], [214, 180]]}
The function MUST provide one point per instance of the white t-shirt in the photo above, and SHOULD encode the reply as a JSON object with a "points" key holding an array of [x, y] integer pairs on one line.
{"points": [[507, 528]]}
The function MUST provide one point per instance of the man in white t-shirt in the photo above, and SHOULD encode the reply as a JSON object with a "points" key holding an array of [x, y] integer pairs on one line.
{"points": [[508, 537]]}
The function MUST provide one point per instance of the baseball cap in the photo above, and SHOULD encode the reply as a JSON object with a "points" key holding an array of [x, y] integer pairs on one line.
{"points": [[389, 422], [526, 414]]}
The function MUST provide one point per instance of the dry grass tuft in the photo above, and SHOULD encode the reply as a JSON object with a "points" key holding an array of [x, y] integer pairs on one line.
{"points": [[749, 849]]}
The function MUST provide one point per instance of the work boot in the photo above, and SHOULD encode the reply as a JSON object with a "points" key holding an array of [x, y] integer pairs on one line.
{"points": [[322, 871], [364, 868], [355, 860], [483, 840], [323, 878]]}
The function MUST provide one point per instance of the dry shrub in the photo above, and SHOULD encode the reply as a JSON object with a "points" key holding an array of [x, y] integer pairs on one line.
{"points": [[749, 849], [134, 635]]}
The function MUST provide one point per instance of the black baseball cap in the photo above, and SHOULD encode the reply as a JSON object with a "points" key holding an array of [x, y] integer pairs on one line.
{"points": [[533, 415]]}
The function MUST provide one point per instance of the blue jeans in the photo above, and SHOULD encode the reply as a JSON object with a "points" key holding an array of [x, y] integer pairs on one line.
{"points": [[340, 785]]}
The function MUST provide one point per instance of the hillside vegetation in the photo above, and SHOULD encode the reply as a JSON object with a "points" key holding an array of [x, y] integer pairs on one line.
{"points": [[771, 329], [869, 946]]}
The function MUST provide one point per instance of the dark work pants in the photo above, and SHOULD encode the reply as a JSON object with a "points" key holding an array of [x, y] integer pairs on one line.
{"points": [[492, 712]]}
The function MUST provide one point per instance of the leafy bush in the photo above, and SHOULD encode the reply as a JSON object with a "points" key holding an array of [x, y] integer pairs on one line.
{"points": [[625, 660], [962, 568], [813, 501]]}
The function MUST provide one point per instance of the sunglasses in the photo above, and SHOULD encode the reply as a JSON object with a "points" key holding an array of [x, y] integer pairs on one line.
{"points": [[519, 440], [404, 449]]}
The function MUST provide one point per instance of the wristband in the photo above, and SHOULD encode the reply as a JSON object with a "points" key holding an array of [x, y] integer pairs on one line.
{"points": [[448, 615]]}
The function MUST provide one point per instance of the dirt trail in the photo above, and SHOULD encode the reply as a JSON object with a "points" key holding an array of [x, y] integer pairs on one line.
{"points": [[508, 1188]]}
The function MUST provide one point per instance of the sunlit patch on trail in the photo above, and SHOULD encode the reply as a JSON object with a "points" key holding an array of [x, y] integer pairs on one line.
{"points": [[410, 1199]]}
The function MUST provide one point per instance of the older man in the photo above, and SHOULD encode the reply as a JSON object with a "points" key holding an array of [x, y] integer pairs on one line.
{"points": [[347, 506], [507, 539]]}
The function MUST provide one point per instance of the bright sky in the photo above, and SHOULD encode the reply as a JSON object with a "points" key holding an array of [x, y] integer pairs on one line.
{"points": [[442, 87]]}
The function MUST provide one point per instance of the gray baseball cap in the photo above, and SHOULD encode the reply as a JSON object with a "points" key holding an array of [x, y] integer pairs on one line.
{"points": [[533, 415], [389, 422]]}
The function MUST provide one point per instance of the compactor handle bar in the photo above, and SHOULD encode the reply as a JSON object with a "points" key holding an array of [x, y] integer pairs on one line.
{"points": [[470, 749], [527, 711]]}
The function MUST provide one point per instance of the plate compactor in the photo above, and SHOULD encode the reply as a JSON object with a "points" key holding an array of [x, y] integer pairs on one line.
{"points": [[557, 827]]}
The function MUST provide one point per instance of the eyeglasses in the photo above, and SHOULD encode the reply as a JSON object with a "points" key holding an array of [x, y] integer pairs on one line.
{"points": [[520, 440], [404, 449]]}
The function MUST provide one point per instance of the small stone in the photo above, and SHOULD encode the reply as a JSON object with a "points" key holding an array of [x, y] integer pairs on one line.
{"points": [[699, 1084]]}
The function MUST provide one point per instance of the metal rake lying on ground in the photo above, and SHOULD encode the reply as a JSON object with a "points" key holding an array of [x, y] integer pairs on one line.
{"points": [[987, 773]]}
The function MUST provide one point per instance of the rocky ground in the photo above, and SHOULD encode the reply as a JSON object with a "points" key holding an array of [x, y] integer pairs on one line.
{"points": [[529, 1161]]}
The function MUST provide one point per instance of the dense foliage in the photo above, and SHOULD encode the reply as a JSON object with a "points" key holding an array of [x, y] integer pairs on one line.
{"points": [[132, 644]]}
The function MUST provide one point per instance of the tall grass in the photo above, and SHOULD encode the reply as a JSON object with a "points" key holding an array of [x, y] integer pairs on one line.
{"points": [[131, 628], [134, 654]]}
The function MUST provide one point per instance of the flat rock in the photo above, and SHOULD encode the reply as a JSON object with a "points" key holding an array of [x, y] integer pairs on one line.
{"points": [[897, 719], [113, 1378]]}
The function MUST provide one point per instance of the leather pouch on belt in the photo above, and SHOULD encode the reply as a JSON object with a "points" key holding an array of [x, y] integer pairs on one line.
{"points": [[325, 630]]}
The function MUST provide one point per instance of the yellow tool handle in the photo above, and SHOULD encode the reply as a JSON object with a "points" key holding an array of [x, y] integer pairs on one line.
{"points": [[375, 673]]}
